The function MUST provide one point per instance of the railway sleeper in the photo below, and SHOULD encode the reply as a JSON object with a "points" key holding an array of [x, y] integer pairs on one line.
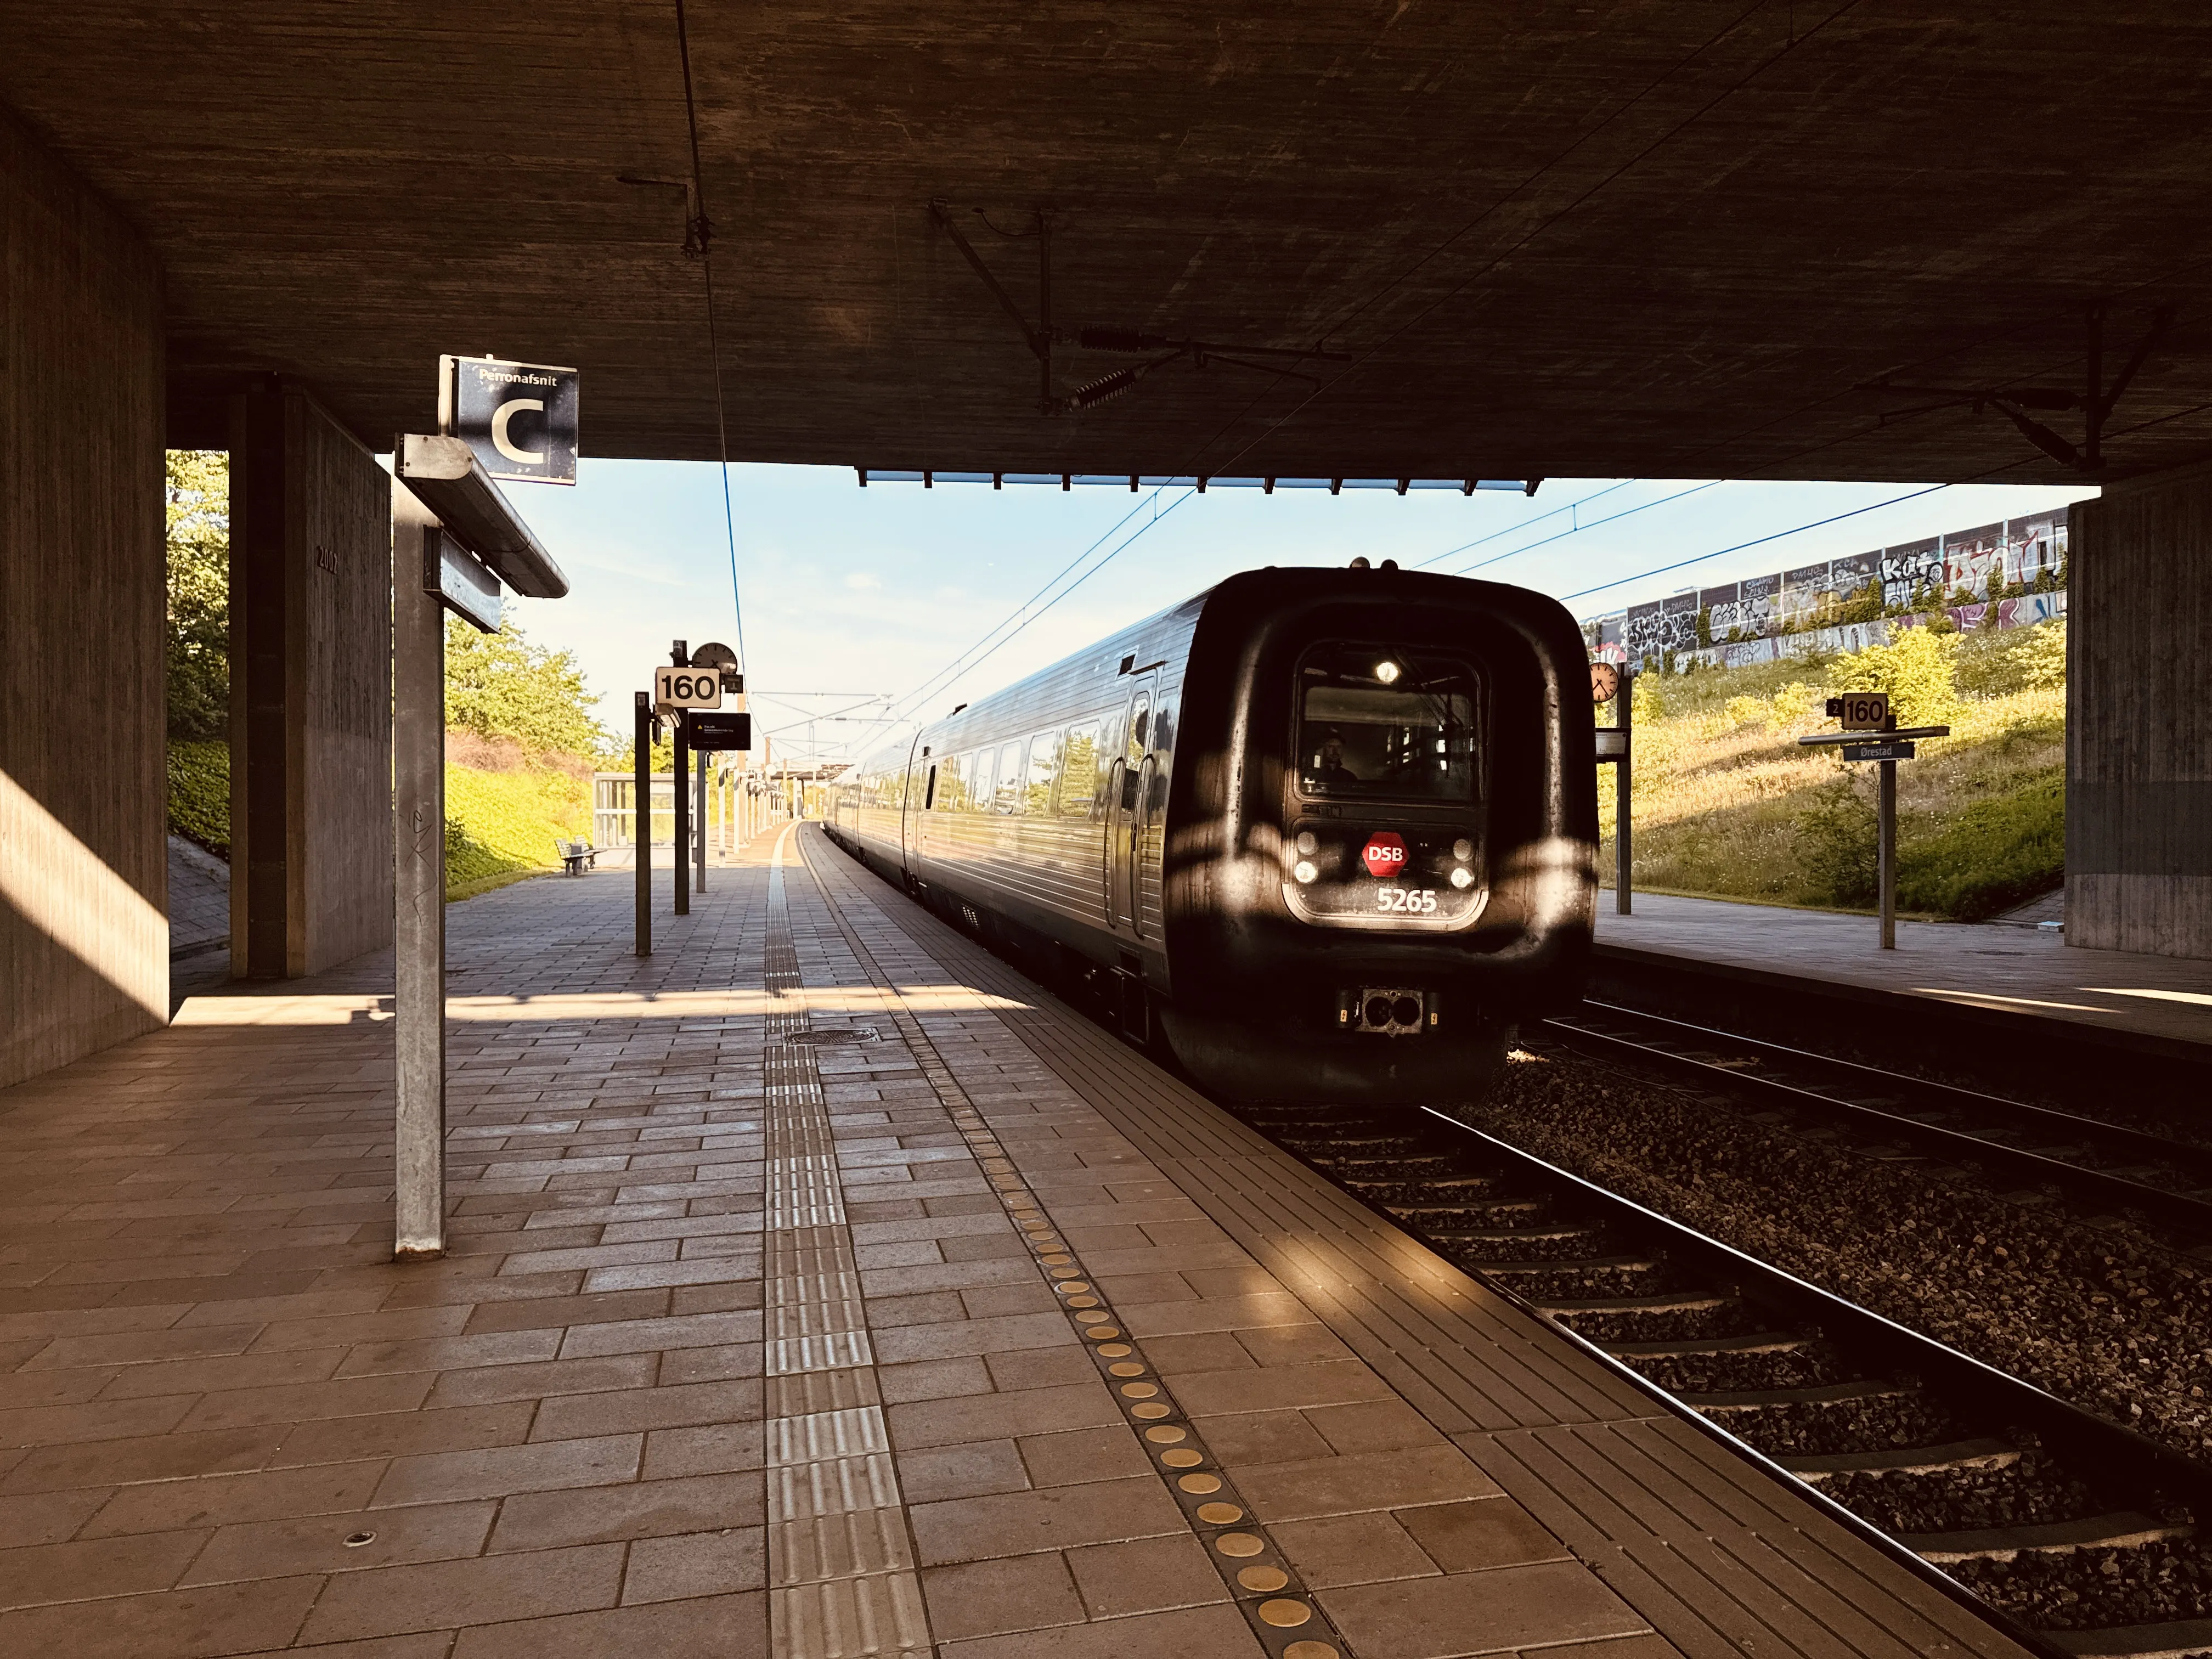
{"points": [[2175, 1640], [2132, 1595], [2123, 1530], [1567, 1241], [1600, 1275], [1864, 1414], [1963, 1486], [1680, 1314], [1758, 1360]]}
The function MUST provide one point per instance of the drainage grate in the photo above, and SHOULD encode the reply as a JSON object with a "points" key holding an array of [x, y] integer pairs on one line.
{"points": [[854, 1034]]}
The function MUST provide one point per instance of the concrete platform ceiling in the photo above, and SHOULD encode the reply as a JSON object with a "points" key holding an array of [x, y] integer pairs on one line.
{"points": [[1651, 237]]}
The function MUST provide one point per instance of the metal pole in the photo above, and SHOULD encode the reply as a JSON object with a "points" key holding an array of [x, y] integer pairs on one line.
{"points": [[1623, 789], [418, 845], [683, 837], [640, 819], [700, 790], [1886, 875]]}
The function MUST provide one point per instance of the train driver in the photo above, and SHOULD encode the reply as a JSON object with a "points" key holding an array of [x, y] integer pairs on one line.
{"points": [[1330, 767]]}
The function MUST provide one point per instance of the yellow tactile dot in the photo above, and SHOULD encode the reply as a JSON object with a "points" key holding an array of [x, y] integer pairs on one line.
{"points": [[1138, 1390], [1311, 1651], [1285, 1614], [1058, 1260], [1219, 1515], [1126, 1368], [1184, 1458], [1166, 1435], [1072, 1286], [1150, 1408], [1263, 1579], [1081, 1301], [1088, 1316], [1100, 1333], [1238, 1543], [1199, 1485], [1117, 1350]]}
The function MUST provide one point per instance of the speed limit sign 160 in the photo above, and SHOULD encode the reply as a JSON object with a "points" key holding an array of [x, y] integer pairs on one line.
{"points": [[687, 688]]}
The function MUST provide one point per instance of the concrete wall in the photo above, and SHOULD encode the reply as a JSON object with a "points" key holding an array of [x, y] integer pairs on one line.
{"points": [[85, 947], [311, 699], [2139, 718]]}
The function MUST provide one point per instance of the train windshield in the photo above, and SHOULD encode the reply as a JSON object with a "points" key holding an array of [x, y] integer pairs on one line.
{"points": [[1376, 721]]}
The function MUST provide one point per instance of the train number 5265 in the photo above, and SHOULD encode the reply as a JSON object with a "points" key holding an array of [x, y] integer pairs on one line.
{"points": [[1406, 901]]}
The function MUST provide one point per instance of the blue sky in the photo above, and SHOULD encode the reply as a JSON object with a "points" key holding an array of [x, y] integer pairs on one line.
{"points": [[874, 592]]}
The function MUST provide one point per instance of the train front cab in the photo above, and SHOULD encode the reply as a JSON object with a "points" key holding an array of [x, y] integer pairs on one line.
{"points": [[1379, 853]]}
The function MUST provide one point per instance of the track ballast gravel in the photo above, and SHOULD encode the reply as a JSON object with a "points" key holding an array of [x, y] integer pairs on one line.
{"points": [[2100, 1315]]}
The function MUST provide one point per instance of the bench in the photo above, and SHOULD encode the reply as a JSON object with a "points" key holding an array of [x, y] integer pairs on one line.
{"points": [[576, 856]]}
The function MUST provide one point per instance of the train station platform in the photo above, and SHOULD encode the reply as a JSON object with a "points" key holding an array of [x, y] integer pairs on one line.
{"points": [[819, 1286], [2130, 998]]}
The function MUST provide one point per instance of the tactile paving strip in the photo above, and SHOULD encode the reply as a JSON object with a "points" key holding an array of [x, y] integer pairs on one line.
{"points": [[1274, 1601], [841, 1578]]}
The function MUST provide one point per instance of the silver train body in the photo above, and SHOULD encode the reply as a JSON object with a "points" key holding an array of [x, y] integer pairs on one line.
{"points": [[1328, 835]]}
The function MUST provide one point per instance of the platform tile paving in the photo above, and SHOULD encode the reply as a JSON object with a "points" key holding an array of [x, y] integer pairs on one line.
{"points": [[232, 1426]]}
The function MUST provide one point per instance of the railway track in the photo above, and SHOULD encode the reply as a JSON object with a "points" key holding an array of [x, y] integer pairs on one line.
{"points": [[2098, 1167], [2079, 1535]]}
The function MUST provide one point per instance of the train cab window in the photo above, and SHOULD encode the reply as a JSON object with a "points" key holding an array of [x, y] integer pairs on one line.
{"points": [[1012, 781], [1375, 720], [1044, 763], [1079, 781]]}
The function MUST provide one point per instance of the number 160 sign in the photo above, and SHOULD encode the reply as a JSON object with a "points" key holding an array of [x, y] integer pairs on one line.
{"points": [[687, 688]]}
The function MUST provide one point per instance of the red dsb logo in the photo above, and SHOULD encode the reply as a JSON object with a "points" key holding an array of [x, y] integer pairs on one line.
{"points": [[1384, 855]]}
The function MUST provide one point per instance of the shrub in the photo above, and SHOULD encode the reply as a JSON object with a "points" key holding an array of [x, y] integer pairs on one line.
{"points": [[199, 656], [199, 794], [1747, 711], [1990, 855], [2018, 660], [1917, 670], [1839, 841]]}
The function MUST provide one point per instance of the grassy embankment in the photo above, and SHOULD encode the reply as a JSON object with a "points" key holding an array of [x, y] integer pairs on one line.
{"points": [[503, 810], [1728, 806]]}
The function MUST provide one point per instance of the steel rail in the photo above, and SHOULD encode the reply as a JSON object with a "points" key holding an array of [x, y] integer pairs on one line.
{"points": [[2181, 1210]]}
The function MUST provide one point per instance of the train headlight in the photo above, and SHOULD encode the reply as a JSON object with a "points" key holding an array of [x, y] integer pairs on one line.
{"points": [[1304, 870], [1388, 671], [1462, 850], [1462, 878], [1308, 843]]}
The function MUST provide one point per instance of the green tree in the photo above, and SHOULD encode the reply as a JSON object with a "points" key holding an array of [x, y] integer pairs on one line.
{"points": [[198, 654], [500, 685]]}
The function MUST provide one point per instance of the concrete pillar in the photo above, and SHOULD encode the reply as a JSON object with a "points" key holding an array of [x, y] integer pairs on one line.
{"points": [[2139, 717], [311, 668], [84, 935]]}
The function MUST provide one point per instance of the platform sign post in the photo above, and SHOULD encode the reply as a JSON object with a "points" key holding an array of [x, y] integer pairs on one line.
{"points": [[640, 818], [1870, 733], [1611, 683]]}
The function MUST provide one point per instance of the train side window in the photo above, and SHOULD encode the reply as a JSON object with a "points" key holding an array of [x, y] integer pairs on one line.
{"points": [[929, 792], [1138, 721], [1044, 763], [1079, 781], [1012, 777], [982, 774]]}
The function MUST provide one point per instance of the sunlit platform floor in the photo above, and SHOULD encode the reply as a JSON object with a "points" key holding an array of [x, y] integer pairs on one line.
{"points": [[2024, 971], [817, 1286]]}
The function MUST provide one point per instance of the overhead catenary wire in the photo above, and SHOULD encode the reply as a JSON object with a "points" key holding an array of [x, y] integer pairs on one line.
{"points": [[699, 240], [1020, 620]]}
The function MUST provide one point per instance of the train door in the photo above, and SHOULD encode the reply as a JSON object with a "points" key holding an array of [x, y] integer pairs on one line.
{"points": [[920, 783], [1129, 792]]}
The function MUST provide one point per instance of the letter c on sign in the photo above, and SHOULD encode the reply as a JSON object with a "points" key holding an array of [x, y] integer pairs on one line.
{"points": [[505, 445]]}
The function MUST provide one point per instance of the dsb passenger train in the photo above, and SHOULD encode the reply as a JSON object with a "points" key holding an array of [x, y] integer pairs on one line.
{"points": [[1328, 834]]}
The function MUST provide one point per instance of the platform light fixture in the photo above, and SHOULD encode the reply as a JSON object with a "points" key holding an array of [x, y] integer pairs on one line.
{"points": [[1388, 671], [1305, 869]]}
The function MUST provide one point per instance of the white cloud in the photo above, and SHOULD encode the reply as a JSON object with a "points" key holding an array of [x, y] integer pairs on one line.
{"points": [[862, 579]]}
